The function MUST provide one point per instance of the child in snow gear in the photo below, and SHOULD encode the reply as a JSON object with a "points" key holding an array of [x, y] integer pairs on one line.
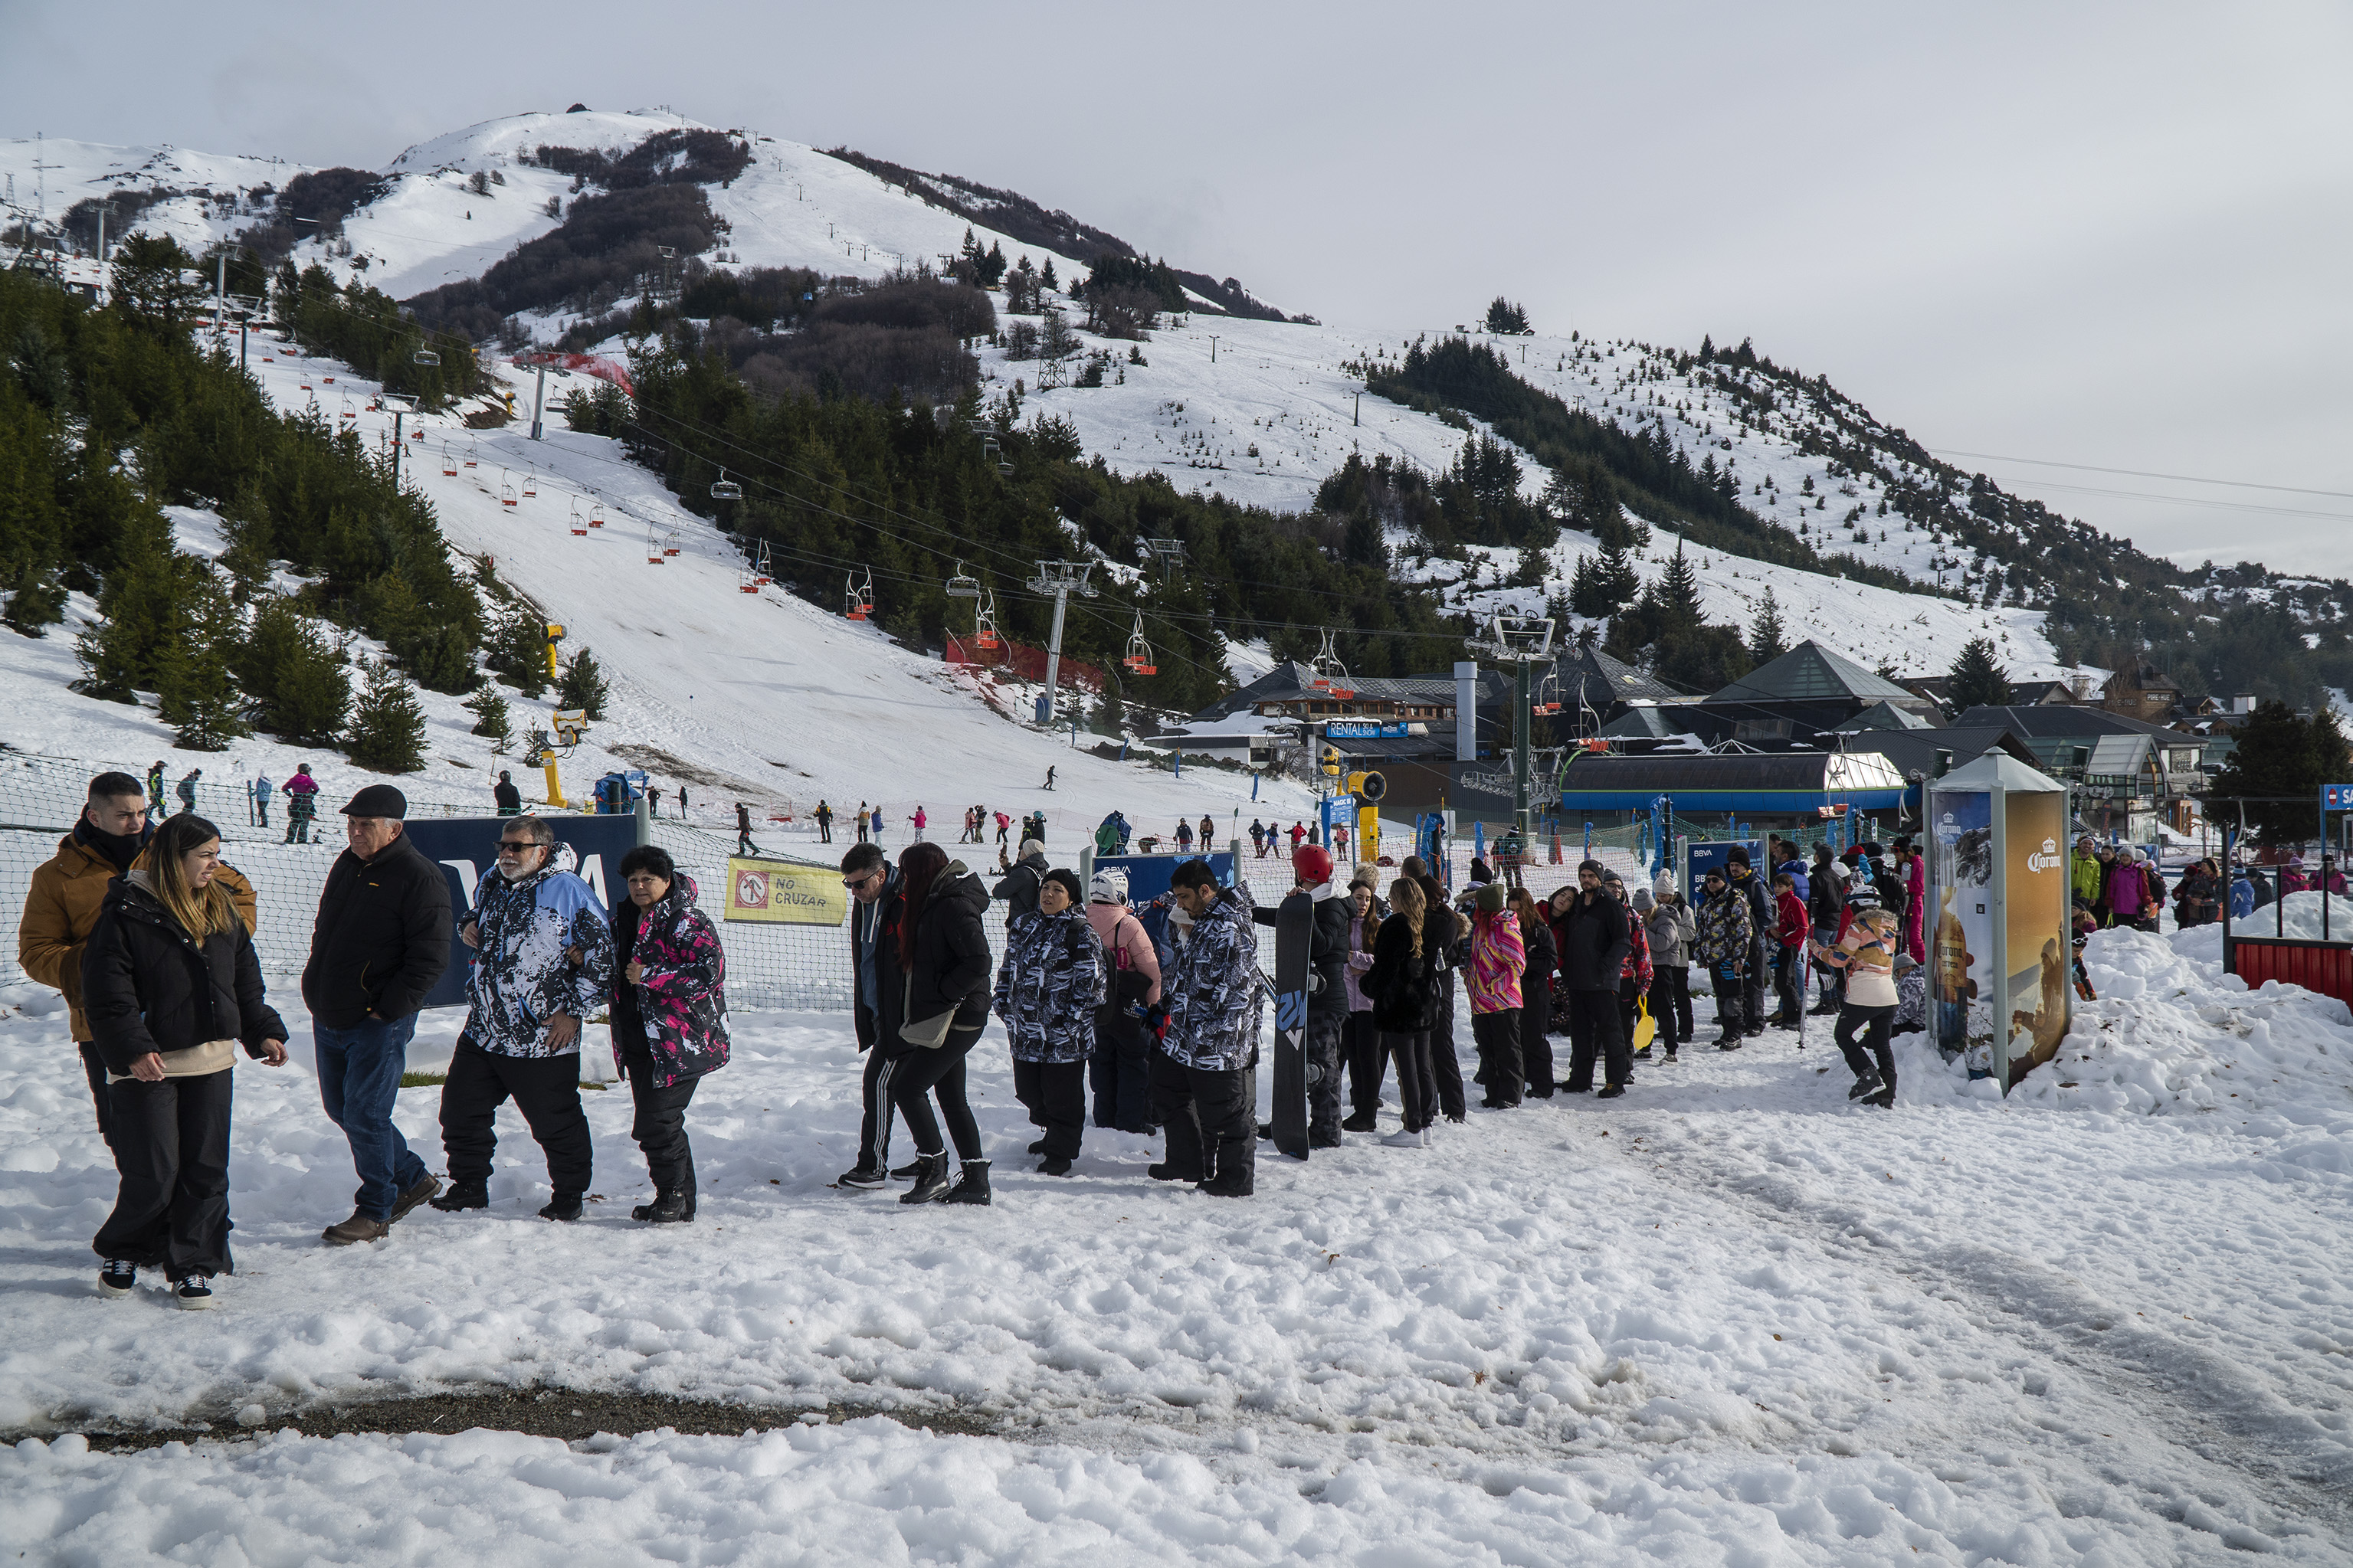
{"points": [[377, 949], [262, 794], [1204, 1076], [171, 987], [668, 1017], [542, 962], [1049, 988], [1668, 926], [301, 804], [1499, 957], [1867, 953], [1121, 1067]]}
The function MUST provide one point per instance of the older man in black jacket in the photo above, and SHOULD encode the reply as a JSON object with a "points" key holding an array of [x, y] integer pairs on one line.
{"points": [[379, 949], [1593, 943]]}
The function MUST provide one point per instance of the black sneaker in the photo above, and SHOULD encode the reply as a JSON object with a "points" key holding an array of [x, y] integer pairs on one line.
{"points": [[563, 1206], [1729, 1043], [1671, 1055], [1611, 1091], [1166, 1172], [1362, 1121], [1868, 1084], [1884, 1098], [1643, 1053], [1266, 1132], [863, 1176], [195, 1292], [462, 1196], [1821, 1009], [116, 1279], [673, 1206]]}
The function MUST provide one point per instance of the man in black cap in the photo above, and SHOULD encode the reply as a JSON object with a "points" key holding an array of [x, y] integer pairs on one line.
{"points": [[380, 945], [1593, 942]]}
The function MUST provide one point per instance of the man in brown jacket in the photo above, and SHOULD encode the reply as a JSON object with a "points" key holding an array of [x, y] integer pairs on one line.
{"points": [[68, 888]]}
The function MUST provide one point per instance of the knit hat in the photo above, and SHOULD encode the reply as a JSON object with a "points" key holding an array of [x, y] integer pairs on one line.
{"points": [[1365, 876], [1065, 879], [1713, 874], [1108, 886], [1738, 855], [1313, 863], [1491, 898], [1665, 885], [1029, 847], [1838, 871], [1596, 867], [1643, 903], [379, 800]]}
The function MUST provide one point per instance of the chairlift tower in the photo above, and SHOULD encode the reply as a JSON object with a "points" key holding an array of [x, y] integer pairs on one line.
{"points": [[1167, 552], [1061, 579], [1523, 642]]}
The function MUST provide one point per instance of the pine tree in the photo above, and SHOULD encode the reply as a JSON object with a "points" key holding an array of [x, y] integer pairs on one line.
{"points": [[584, 686], [198, 701], [1767, 640], [2278, 753], [1976, 680], [1047, 277], [292, 671], [1679, 593], [36, 598], [1502, 316], [490, 712], [387, 727], [517, 650]]}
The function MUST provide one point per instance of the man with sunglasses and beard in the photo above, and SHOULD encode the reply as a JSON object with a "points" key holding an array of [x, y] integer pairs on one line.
{"points": [[542, 962]]}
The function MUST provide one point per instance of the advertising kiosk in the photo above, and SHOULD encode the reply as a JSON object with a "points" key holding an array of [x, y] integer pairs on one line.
{"points": [[2000, 991]]}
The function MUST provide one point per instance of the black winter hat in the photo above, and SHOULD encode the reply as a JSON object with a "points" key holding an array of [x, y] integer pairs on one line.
{"points": [[1737, 855], [379, 800]]}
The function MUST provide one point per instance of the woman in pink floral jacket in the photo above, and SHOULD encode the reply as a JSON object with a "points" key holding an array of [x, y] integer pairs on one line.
{"points": [[669, 1018]]}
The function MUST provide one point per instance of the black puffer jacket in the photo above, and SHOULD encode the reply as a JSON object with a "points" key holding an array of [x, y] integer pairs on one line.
{"points": [[878, 923], [1593, 943], [147, 986], [1407, 991], [1019, 886], [382, 938], [952, 966]]}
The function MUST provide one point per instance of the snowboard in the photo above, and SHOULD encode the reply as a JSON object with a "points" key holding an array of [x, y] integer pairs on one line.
{"points": [[1294, 926]]}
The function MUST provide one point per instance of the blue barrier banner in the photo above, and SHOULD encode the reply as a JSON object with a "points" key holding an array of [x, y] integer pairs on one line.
{"points": [[1148, 875], [1704, 856], [466, 848]]}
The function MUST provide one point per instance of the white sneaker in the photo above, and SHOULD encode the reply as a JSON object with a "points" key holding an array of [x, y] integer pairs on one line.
{"points": [[1429, 1137], [1406, 1141]]}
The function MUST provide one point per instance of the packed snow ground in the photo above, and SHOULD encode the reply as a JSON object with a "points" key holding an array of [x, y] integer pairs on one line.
{"points": [[1729, 1319]]}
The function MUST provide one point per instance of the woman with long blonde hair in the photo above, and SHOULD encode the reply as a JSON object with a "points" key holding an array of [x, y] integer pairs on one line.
{"points": [[172, 988], [1867, 954]]}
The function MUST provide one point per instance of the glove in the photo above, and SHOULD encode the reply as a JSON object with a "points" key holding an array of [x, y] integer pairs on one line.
{"points": [[1154, 1015]]}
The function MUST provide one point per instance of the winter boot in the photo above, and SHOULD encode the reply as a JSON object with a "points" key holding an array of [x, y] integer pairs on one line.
{"points": [[930, 1180], [1168, 1172], [971, 1183], [1730, 1042], [423, 1190], [907, 1169], [671, 1206], [359, 1227], [1039, 1146], [1362, 1121], [1053, 1166], [462, 1196], [1226, 1187], [1868, 1084], [1885, 1097], [563, 1207]]}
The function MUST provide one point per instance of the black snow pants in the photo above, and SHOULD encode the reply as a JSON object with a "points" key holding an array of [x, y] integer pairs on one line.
{"points": [[546, 1089], [171, 1150], [1211, 1119]]}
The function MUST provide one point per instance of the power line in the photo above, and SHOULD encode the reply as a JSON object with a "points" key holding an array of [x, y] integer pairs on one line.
{"points": [[2145, 474]]}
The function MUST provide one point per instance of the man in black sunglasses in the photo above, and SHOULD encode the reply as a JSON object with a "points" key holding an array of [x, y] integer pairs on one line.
{"points": [[878, 987]]}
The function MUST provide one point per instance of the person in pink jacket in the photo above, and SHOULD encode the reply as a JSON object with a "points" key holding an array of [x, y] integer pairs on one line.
{"points": [[1913, 867], [1498, 958], [1120, 1068]]}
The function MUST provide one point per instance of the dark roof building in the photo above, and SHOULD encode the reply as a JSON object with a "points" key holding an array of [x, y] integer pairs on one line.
{"points": [[1812, 673]]}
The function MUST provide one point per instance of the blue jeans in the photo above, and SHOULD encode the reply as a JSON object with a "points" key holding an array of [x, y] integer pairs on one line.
{"points": [[359, 1078]]}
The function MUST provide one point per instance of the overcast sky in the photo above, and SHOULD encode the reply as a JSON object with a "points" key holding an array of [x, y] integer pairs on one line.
{"points": [[2117, 235]]}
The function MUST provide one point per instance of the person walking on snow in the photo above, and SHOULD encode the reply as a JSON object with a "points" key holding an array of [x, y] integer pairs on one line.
{"points": [[1204, 1074], [155, 790], [1868, 953], [1004, 826], [1121, 1072], [945, 956], [1298, 832], [878, 991], [261, 790], [743, 845], [1184, 836], [824, 823], [918, 820], [301, 804], [378, 947], [526, 997], [171, 987], [109, 840], [1594, 946], [1258, 837], [187, 791], [506, 796], [1050, 988], [669, 1018]]}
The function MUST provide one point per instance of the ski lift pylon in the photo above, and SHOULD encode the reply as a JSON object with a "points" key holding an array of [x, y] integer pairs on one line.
{"points": [[858, 596], [765, 575], [1139, 652]]}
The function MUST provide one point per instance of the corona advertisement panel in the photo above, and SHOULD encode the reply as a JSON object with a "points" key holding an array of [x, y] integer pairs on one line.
{"points": [[1961, 951], [2034, 842]]}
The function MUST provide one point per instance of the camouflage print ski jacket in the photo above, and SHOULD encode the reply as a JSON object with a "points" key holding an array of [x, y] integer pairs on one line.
{"points": [[1049, 987], [1725, 930], [521, 974], [1212, 995]]}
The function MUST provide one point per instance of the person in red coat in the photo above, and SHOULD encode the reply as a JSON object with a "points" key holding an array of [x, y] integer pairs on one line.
{"points": [[1791, 926]]}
